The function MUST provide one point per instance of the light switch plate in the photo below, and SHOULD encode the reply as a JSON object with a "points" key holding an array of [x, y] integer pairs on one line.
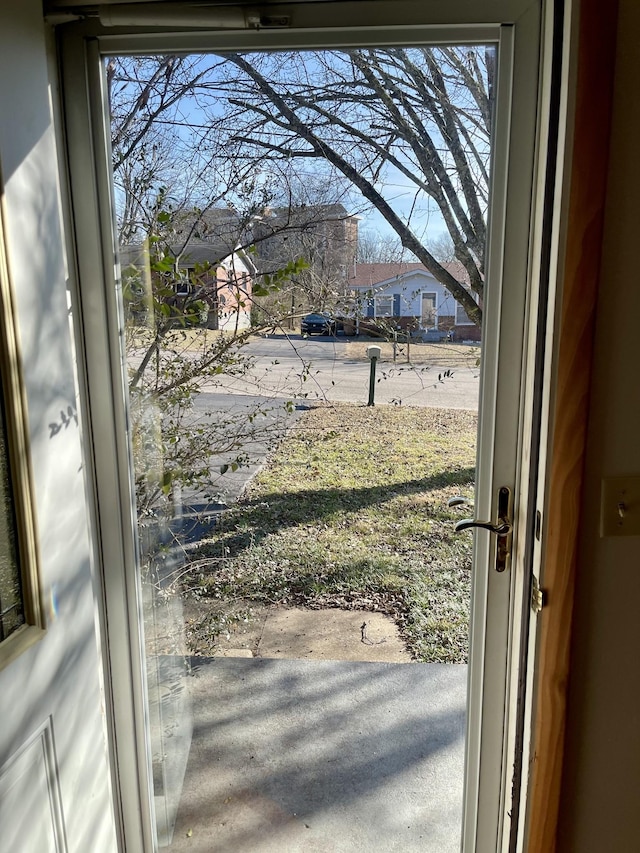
{"points": [[620, 508]]}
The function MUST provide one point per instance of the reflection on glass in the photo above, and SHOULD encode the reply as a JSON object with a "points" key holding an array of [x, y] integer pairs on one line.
{"points": [[159, 553]]}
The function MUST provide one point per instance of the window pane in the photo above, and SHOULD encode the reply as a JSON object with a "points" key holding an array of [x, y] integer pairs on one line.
{"points": [[428, 310], [216, 559], [11, 600], [462, 318], [384, 306]]}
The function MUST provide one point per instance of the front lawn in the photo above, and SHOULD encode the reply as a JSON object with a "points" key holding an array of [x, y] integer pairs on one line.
{"points": [[351, 511]]}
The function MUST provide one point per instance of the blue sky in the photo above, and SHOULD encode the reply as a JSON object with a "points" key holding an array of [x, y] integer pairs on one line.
{"points": [[189, 118]]}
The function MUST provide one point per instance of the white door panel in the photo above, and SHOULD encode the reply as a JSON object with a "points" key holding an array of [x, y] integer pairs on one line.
{"points": [[30, 778], [55, 783]]}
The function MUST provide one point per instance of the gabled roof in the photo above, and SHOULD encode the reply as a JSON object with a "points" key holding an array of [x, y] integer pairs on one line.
{"points": [[214, 251], [215, 223], [370, 275]]}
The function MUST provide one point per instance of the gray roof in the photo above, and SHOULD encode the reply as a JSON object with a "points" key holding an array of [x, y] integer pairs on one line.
{"points": [[213, 251]]}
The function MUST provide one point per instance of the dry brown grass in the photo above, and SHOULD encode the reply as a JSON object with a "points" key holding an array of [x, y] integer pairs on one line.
{"points": [[437, 355]]}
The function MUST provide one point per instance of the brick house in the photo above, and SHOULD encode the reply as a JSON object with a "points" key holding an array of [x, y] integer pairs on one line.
{"points": [[210, 271], [324, 235]]}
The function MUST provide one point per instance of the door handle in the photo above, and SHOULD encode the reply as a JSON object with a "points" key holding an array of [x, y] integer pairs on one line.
{"points": [[503, 528]]}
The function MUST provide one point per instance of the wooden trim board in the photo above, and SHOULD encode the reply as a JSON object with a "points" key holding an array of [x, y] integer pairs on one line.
{"points": [[583, 243]]}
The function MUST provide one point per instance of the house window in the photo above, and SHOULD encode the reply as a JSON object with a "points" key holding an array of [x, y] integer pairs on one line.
{"points": [[384, 305], [462, 318], [12, 609], [183, 284], [21, 614]]}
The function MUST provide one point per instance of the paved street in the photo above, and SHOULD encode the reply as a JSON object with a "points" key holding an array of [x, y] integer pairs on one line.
{"points": [[318, 368], [262, 421]]}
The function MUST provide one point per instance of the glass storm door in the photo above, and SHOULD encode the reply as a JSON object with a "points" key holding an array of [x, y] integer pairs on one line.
{"points": [[133, 292], [428, 310]]}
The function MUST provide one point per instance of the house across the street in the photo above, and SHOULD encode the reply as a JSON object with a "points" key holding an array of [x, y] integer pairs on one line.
{"points": [[407, 297], [209, 271]]}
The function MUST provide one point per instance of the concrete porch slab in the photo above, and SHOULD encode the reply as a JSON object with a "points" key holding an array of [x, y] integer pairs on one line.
{"points": [[331, 634], [317, 756]]}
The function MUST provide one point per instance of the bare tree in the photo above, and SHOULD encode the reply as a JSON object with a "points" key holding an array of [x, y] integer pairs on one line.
{"points": [[418, 119], [420, 116], [442, 248], [375, 247], [175, 180]]}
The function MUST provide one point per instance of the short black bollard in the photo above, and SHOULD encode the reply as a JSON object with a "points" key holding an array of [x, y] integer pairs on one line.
{"points": [[373, 353]]}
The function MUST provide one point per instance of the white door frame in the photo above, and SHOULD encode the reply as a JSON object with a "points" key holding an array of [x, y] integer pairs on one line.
{"points": [[504, 441]]}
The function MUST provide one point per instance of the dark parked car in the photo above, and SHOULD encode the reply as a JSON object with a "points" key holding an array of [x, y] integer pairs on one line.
{"points": [[320, 322]]}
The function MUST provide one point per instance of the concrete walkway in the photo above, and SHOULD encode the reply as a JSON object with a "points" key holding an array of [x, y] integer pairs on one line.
{"points": [[318, 756]]}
